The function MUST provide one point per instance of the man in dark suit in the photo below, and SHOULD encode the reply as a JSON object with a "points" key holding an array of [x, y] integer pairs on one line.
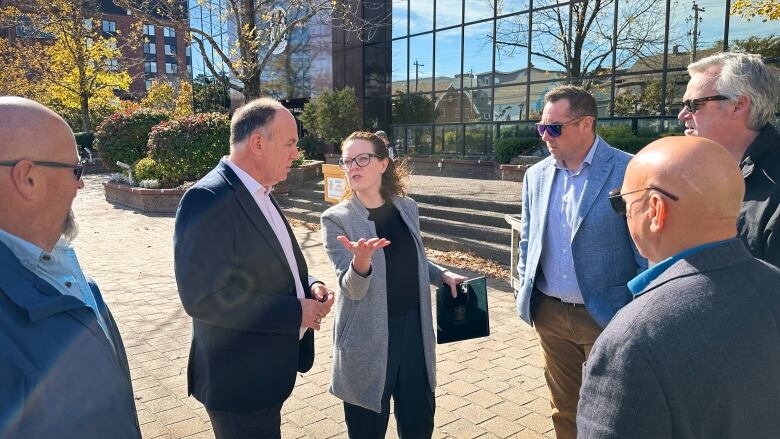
{"points": [[243, 279], [696, 354]]}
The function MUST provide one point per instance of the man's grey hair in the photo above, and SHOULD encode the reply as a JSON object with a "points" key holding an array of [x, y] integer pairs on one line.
{"points": [[256, 114], [745, 74]]}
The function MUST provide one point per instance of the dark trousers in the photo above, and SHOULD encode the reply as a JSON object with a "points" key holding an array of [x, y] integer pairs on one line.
{"points": [[263, 424], [406, 382]]}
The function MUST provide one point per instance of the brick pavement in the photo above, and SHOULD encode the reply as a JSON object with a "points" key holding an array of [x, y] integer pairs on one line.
{"points": [[488, 388]]}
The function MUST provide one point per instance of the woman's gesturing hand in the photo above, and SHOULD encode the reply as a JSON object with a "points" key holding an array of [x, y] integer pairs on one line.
{"points": [[362, 250]]}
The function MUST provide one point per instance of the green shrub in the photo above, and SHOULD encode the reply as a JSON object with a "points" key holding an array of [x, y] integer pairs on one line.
{"points": [[631, 145], [310, 148], [84, 140], [124, 136], [509, 147], [187, 148], [146, 169], [614, 131]]}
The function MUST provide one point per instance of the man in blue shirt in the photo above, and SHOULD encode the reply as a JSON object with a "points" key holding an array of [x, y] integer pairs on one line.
{"points": [[695, 354], [63, 368]]}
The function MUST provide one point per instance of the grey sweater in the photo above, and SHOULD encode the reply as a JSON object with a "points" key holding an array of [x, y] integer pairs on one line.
{"points": [[360, 332]]}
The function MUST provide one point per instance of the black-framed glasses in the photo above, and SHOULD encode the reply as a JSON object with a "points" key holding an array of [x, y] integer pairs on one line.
{"points": [[361, 160], [78, 169], [619, 204], [692, 105], [554, 129]]}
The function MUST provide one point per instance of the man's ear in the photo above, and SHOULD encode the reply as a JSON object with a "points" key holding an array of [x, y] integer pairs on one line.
{"points": [[742, 105], [657, 213], [26, 182]]}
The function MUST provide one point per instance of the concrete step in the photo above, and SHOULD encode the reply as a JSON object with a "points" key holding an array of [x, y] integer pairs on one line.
{"points": [[303, 203], [463, 203], [488, 250], [479, 232], [468, 216]]}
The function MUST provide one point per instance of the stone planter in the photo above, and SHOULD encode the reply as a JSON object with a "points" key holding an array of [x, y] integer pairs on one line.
{"points": [[143, 200], [516, 169], [308, 170]]}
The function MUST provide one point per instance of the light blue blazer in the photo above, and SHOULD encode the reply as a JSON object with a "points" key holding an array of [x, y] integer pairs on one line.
{"points": [[605, 258]]}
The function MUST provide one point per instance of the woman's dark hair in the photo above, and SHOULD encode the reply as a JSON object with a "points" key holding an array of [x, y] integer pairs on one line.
{"points": [[395, 176]]}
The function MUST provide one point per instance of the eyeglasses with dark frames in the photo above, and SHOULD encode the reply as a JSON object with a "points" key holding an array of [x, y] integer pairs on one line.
{"points": [[619, 204], [78, 169], [362, 160], [692, 105], [554, 129]]}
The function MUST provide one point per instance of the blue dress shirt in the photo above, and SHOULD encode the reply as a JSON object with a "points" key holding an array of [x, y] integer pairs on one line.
{"points": [[558, 277], [638, 284]]}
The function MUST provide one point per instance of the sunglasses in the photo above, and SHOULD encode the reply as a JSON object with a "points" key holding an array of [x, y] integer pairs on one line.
{"points": [[554, 129], [619, 204], [362, 160], [78, 169], [693, 104]]}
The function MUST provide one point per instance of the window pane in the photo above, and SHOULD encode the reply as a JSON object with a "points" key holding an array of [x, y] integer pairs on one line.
{"points": [[448, 13], [420, 140], [448, 59], [421, 63], [375, 70], [708, 23], [478, 55], [479, 139], [511, 50], [477, 105], [412, 108], [399, 139], [550, 37], [447, 107], [537, 99], [400, 72], [421, 16], [510, 103], [375, 113], [449, 139], [478, 10], [640, 35], [510, 6], [400, 12]]}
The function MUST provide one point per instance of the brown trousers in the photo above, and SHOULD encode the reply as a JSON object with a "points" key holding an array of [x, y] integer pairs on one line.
{"points": [[566, 335]]}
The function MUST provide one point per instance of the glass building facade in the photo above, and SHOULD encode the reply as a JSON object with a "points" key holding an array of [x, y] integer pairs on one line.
{"points": [[451, 76]]}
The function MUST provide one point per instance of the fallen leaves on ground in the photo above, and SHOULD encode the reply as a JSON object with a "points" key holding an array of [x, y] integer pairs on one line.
{"points": [[314, 227], [469, 261]]}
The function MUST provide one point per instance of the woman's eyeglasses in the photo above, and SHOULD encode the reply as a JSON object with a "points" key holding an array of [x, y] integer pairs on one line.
{"points": [[361, 160], [693, 104], [78, 169], [619, 204], [554, 129]]}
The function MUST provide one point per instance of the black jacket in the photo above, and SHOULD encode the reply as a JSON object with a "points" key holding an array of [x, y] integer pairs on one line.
{"points": [[759, 220]]}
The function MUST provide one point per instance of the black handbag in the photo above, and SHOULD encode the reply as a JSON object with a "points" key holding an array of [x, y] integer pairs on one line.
{"points": [[463, 317]]}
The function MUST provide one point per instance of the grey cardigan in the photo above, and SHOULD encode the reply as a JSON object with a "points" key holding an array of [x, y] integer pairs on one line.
{"points": [[360, 332]]}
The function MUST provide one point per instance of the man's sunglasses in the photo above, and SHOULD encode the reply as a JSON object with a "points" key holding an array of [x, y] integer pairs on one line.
{"points": [[361, 160], [554, 129], [78, 169], [693, 104], [619, 204]]}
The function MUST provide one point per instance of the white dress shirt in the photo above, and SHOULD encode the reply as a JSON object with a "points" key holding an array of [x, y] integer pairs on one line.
{"points": [[274, 218]]}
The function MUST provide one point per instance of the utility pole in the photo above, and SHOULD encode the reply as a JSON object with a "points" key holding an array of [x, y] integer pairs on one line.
{"points": [[417, 66], [695, 32]]}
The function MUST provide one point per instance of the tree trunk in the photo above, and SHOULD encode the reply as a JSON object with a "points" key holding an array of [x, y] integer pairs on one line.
{"points": [[84, 114]]}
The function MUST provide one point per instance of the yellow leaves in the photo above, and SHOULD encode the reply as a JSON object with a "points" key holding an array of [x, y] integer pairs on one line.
{"points": [[765, 9]]}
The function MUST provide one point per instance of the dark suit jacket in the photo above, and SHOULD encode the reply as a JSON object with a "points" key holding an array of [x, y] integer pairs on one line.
{"points": [[696, 356], [235, 282]]}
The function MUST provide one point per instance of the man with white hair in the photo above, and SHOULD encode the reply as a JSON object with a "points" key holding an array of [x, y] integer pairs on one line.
{"points": [[63, 368], [731, 99]]}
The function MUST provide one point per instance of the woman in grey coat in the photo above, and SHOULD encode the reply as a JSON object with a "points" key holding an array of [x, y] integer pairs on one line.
{"points": [[383, 337]]}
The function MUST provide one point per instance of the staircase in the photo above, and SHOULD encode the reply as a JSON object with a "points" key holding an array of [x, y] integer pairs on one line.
{"points": [[447, 223]]}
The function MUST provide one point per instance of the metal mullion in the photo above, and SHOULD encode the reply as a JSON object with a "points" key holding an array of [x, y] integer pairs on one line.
{"points": [[614, 60], [493, 73], [433, 84], [528, 62], [462, 142], [726, 26], [662, 104]]}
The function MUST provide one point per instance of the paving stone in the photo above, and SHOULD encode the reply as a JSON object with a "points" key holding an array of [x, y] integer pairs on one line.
{"points": [[501, 427]]}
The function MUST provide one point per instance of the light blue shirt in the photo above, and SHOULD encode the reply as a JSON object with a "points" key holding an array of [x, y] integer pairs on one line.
{"points": [[558, 277], [60, 268], [638, 284]]}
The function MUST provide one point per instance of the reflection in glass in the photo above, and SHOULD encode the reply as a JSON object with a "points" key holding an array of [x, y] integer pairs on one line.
{"points": [[640, 95], [400, 17], [375, 113], [478, 55], [478, 10], [400, 72], [447, 59], [399, 139], [510, 103], [420, 16], [511, 49], [449, 139], [478, 139], [421, 63], [412, 108], [477, 105], [536, 104], [448, 13], [510, 6], [374, 70], [447, 106], [640, 43], [695, 33], [420, 140]]}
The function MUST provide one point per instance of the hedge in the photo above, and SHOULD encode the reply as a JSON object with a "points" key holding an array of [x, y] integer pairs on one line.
{"points": [[510, 147], [187, 148], [146, 169], [124, 136]]}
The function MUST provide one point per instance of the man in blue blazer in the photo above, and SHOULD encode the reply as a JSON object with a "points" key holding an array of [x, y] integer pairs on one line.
{"points": [[63, 368], [576, 256], [243, 279]]}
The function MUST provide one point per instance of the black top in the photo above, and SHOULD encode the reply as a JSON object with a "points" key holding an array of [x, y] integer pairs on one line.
{"points": [[403, 285], [759, 219]]}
